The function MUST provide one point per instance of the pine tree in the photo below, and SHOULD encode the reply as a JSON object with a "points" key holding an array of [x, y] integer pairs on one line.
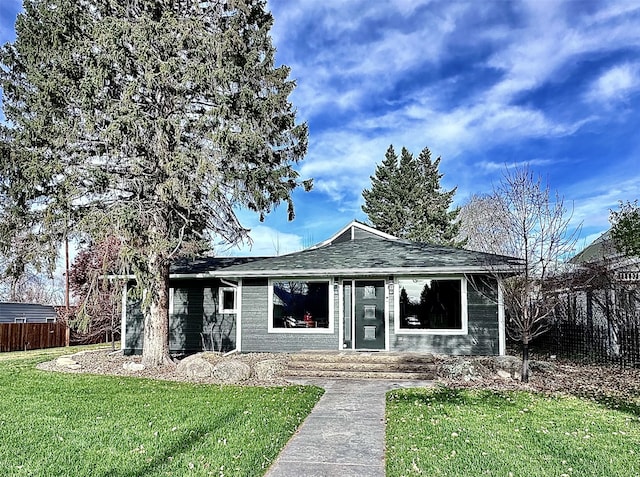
{"points": [[383, 202], [433, 221], [406, 199], [151, 121]]}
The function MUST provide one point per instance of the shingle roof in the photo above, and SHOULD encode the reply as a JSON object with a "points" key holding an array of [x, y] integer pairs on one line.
{"points": [[375, 256], [600, 249], [207, 264]]}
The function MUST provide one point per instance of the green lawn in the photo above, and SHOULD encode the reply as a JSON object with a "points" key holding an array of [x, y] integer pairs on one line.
{"points": [[438, 432], [77, 425]]}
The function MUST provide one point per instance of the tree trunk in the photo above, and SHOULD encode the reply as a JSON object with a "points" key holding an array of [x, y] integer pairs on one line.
{"points": [[524, 373], [155, 350]]}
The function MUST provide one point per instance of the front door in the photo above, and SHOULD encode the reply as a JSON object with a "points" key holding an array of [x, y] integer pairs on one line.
{"points": [[369, 314]]}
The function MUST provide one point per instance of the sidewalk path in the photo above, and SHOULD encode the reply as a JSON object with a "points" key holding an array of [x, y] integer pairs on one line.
{"points": [[344, 434]]}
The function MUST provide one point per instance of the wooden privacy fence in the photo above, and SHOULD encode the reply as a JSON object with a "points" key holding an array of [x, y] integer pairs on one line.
{"points": [[24, 336]]}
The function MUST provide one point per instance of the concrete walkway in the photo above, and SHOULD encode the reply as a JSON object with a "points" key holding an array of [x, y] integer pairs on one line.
{"points": [[344, 434]]}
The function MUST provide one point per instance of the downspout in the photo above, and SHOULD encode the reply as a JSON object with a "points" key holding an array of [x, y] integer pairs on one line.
{"points": [[123, 318], [502, 339]]}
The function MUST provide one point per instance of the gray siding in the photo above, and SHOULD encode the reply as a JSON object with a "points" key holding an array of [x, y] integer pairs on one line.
{"points": [[195, 324], [134, 327], [255, 317], [482, 338], [30, 312]]}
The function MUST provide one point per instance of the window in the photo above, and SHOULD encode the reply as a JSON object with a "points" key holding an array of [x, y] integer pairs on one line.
{"points": [[299, 305], [429, 305], [227, 300], [20, 320], [51, 320]]}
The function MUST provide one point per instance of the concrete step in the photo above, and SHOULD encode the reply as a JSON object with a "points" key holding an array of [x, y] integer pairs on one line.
{"points": [[363, 357], [363, 366], [315, 373]]}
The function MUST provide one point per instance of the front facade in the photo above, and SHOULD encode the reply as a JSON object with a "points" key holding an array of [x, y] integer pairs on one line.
{"points": [[359, 290]]}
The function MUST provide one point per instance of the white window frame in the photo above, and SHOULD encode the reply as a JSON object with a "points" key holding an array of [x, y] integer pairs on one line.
{"points": [[221, 292], [331, 307], [19, 320], [464, 309]]}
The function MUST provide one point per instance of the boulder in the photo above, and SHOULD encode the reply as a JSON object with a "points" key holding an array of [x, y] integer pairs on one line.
{"points": [[507, 364], [131, 366], [542, 367], [232, 371], [195, 367], [504, 374], [464, 369], [267, 370], [67, 362]]}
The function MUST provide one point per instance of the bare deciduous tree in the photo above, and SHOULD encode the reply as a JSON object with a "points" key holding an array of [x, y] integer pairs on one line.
{"points": [[524, 219]]}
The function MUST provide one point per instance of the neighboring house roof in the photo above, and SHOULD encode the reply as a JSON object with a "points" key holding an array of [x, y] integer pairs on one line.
{"points": [[600, 249], [375, 256], [601, 255]]}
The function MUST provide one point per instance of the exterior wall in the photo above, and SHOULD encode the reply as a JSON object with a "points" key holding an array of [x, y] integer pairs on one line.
{"points": [[255, 322], [194, 324], [482, 338], [30, 312]]}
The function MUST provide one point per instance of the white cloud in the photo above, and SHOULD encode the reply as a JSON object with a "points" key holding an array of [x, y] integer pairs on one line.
{"points": [[616, 83], [266, 241]]}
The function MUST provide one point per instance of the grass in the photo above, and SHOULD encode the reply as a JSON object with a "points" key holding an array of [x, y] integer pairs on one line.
{"points": [[71, 424], [445, 432]]}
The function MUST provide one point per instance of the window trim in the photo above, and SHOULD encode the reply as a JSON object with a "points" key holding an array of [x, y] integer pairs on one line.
{"points": [[221, 292], [297, 331], [464, 309], [20, 320]]}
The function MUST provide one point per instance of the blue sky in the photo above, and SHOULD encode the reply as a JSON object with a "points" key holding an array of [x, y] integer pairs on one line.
{"points": [[484, 85]]}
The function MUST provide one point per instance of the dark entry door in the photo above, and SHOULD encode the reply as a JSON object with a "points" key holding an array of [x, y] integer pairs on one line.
{"points": [[369, 314]]}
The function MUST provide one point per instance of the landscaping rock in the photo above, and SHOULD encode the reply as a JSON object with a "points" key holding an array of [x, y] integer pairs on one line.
{"points": [[463, 369], [131, 366], [195, 367], [232, 371], [504, 374], [542, 367], [68, 362], [268, 369], [511, 365]]}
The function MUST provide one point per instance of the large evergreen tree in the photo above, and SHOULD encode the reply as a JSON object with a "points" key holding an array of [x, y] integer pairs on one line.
{"points": [[407, 200], [383, 202], [149, 120]]}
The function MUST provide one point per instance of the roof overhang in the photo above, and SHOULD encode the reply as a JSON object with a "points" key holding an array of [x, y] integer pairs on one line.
{"points": [[364, 272]]}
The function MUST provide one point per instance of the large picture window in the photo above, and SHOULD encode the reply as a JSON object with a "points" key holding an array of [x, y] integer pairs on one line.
{"points": [[299, 304], [432, 304]]}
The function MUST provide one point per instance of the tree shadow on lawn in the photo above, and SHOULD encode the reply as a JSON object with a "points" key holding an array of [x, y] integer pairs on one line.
{"points": [[183, 446], [629, 405]]}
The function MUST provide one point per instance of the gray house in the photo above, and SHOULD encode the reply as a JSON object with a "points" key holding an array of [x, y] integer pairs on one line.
{"points": [[359, 290], [27, 313]]}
